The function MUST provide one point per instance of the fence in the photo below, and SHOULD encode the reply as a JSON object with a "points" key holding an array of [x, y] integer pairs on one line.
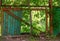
{"points": [[13, 10]]}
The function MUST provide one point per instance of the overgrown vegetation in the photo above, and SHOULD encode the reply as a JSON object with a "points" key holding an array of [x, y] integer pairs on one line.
{"points": [[38, 21]]}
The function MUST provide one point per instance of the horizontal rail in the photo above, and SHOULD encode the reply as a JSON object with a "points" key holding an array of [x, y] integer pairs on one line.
{"points": [[32, 8], [22, 6]]}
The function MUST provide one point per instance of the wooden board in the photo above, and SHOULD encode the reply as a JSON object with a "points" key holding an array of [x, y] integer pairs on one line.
{"points": [[56, 20], [11, 26]]}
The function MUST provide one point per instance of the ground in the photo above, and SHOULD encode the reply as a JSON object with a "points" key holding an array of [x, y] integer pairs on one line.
{"points": [[28, 38]]}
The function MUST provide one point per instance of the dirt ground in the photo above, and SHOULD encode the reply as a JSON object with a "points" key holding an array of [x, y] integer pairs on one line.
{"points": [[27, 38]]}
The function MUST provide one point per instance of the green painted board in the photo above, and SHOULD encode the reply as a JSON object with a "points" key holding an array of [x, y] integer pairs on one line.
{"points": [[11, 25], [56, 20]]}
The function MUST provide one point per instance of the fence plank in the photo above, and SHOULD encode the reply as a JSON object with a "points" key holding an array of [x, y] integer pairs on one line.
{"points": [[11, 24]]}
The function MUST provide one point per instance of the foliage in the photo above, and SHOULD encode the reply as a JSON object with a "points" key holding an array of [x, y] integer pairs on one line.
{"points": [[32, 2], [55, 2], [13, 2], [25, 2], [38, 21]]}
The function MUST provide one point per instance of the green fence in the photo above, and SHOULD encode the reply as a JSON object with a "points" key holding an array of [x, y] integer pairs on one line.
{"points": [[11, 26], [56, 20]]}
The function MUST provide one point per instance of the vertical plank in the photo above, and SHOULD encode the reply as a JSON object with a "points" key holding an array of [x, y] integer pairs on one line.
{"points": [[15, 12], [31, 29], [11, 24], [4, 24], [6, 28], [17, 23], [46, 20]]}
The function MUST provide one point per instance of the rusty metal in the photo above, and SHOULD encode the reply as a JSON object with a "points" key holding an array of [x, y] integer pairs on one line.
{"points": [[46, 11], [30, 8], [31, 23], [50, 6]]}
